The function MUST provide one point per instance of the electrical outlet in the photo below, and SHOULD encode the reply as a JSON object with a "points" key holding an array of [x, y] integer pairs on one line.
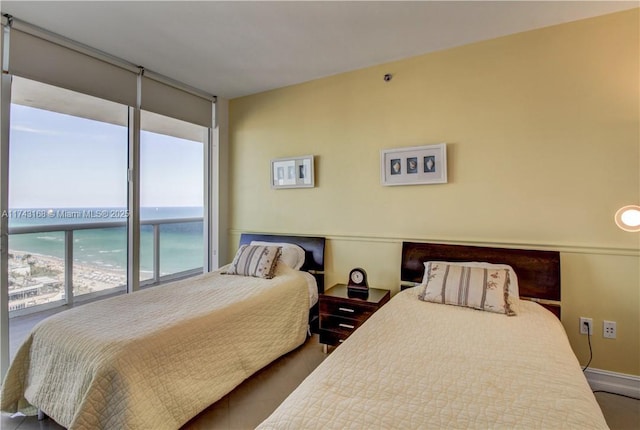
{"points": [[586, 326], [609, 329]]}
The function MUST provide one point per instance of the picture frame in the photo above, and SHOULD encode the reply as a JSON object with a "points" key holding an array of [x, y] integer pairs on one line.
{"points": [[414, 165], [293, 172]]}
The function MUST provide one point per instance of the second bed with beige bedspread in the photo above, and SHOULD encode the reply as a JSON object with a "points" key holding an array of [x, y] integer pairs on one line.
{"points": [[418, 365]]}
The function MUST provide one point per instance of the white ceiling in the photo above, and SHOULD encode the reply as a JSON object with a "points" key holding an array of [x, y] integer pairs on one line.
{"points": [[231, 49]]}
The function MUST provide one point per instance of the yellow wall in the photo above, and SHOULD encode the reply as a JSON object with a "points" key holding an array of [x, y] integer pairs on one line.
{"points": [[543, 140]]}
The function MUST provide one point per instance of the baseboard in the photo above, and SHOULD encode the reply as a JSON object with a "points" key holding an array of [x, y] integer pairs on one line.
{"points": [[618, 383]]}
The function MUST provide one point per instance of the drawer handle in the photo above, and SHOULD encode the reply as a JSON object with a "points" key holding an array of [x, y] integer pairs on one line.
{"points": [[346, 325], [346, 310]]}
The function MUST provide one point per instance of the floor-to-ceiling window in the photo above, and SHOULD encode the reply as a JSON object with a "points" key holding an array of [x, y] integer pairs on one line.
{"points": [[171, 197], [68, 172], [68, 196]]}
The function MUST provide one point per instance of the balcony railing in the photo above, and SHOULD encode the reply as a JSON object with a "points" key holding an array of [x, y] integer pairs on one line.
{"points": [[24, 297]]}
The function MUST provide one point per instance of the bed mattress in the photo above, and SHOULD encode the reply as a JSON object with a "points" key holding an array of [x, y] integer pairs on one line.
{"points": [[418, 365], [156, 358]]}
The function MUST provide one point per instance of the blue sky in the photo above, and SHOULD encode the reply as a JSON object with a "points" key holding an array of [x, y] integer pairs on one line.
{"points": [[59, 160]]}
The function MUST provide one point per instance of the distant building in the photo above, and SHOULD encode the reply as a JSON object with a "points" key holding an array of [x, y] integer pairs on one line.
{"points": [[21, 270]]}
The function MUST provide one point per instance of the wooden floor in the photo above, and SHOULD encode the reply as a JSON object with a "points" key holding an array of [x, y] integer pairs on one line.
{"points": [[256, 398]]}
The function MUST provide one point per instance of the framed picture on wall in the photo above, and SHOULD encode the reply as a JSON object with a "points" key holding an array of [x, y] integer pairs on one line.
{"points": [[292, 172], [414, 165]]}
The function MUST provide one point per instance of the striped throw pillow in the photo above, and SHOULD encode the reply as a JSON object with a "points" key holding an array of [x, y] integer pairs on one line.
{"points": [[255, 260], [480, 288]]}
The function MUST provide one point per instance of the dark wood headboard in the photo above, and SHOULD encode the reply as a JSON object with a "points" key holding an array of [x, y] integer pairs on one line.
{"points": [[538, 271], [313, 247]]}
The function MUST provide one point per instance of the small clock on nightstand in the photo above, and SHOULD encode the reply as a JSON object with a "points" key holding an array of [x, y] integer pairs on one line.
{"points": [[358, 284]]}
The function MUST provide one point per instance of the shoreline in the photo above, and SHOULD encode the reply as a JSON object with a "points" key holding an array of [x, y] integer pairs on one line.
{"points": [[58, 261], [87, 278]]}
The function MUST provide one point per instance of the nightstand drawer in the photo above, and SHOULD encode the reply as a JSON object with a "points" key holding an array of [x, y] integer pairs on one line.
{"points": [[346, 309], [331, 337], [341, 324]]}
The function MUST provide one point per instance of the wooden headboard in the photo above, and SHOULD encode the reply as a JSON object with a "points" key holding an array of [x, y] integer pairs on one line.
{"points": [[313, 247], [538, 271]]}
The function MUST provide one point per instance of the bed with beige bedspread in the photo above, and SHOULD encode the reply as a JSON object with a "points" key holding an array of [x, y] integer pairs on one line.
{"points": [[419, 365], [182, 347]]}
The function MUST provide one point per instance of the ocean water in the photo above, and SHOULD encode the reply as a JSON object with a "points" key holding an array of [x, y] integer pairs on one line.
{"points": [[181, 244]]}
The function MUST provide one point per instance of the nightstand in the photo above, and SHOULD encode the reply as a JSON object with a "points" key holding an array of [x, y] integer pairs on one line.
{"points": [[340, 314]]}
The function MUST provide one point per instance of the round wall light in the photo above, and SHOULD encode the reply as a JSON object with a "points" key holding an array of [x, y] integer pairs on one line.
{"points": [[628, 218]]}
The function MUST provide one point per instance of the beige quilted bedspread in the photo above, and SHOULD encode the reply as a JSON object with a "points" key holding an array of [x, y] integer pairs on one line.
{"points": [[417, 365], [156, 358]]}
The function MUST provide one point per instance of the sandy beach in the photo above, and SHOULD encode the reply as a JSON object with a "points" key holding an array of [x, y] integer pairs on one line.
{"points": [[86, 278]]}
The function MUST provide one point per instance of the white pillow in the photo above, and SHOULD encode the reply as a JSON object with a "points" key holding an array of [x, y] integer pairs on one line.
{"points": [[291, 255], [514, 290]]}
